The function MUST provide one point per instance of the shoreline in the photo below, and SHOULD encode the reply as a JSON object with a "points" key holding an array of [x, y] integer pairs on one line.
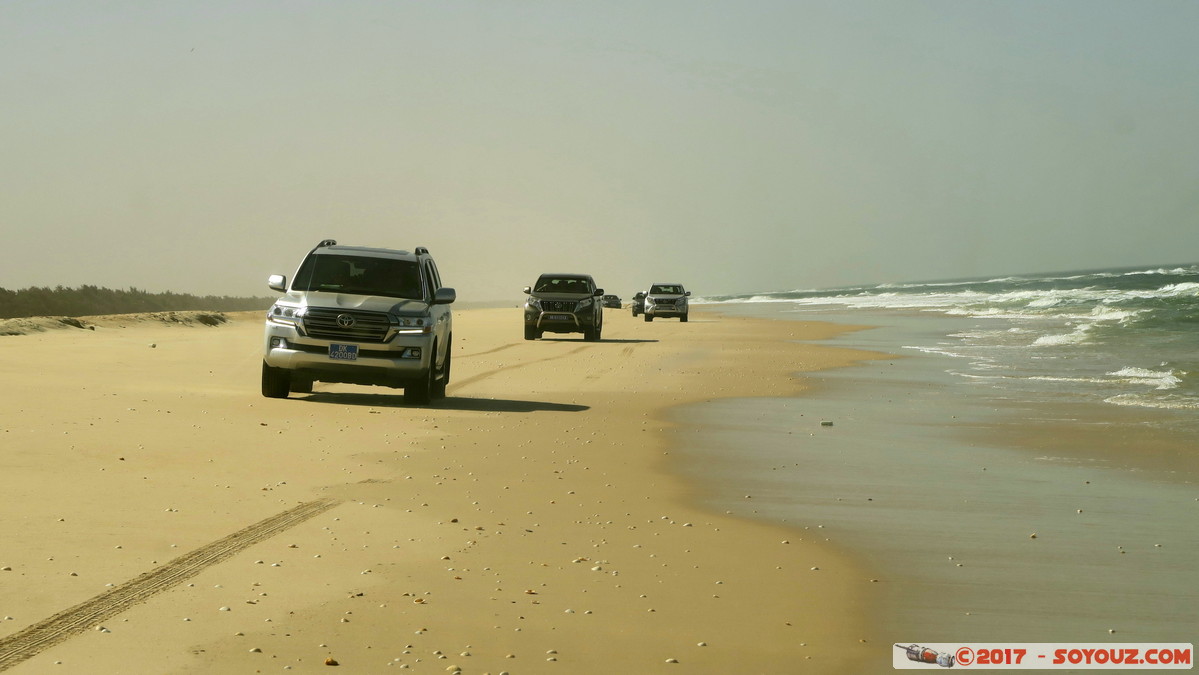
{"points": [[985, 523], [529, 523]]}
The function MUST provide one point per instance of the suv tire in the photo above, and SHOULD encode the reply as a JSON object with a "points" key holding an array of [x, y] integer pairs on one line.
{"points": [[593, 335], [649, 317], [531, 333], [683, 318], [439, 383], [420, 393], [276, 382], [429, 387]]}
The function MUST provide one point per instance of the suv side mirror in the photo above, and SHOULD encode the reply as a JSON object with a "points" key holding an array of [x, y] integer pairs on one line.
{"points": [[528, 290], [598, 292], [277, 282], [444, 296], [687, 293]]}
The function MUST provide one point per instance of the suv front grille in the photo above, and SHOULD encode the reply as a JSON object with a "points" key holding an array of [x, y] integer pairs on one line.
{"points": [[329, 324], [558, 305]]}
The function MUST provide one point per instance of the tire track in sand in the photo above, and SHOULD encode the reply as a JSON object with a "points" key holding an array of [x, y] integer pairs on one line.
{"points": [[29, 642], [488, 373]]}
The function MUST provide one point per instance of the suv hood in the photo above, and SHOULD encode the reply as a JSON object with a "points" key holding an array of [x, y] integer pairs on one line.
{"points": [[365, 303]]}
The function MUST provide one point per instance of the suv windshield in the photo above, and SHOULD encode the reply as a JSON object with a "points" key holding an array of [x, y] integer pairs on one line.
{"points": [[360, 276], [561, 285], [668, 290]]}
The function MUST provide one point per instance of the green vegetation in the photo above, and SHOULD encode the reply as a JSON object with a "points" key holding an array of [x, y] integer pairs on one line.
{"points": [[93, 301]]}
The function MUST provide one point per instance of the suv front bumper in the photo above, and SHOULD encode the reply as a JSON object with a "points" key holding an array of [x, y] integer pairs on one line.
{"points": [[559, 322], [665, 310], [406, 358]]}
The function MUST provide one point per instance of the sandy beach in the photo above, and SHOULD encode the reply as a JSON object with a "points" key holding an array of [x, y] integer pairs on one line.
{"points": [[161, 516]]}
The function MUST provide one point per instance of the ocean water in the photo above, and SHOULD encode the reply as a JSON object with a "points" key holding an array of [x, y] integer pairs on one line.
{"points": [[920, 475], [1122, 337]]}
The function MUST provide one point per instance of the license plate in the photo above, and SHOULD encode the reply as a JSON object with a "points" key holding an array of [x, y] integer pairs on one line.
{"points": [[343, 352], [557, 317]]}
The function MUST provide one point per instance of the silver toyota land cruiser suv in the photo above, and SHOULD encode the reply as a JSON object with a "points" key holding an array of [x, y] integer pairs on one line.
{"points": [[358, 315], [564, 303], [666, 300]]}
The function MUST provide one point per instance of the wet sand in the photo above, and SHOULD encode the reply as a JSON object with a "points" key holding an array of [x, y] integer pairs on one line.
{"points": [[985, 520], [532, 522]]}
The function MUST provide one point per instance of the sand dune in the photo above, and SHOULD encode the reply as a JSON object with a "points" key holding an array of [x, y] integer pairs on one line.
{"points": [[37, 324]]}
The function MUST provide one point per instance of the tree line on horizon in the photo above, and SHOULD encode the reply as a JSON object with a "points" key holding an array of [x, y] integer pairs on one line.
{"points": [[94, 301]]}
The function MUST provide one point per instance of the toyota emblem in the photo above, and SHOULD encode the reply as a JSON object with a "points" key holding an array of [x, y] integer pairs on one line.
{"points": [[345, 320]]}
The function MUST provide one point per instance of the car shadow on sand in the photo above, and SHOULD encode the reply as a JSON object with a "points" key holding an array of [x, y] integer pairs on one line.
{"points": [[616, 341], [447, 403]]}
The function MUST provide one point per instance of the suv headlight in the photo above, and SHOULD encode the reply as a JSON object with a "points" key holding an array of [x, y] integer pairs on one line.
{"points": [[412, 325], [285, 314], [534, 303], [585, 303]]}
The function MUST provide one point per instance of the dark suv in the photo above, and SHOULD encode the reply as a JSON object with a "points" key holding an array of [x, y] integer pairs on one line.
{"points": [[638, 303], [358, 315], [564, 303]]}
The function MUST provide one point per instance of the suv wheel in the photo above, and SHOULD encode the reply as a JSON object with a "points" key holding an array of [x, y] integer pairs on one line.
{"points": [[531, 333], [421, 392], [276, 382], [439, 384], [649, 317], [593, 334], [683, 318]]}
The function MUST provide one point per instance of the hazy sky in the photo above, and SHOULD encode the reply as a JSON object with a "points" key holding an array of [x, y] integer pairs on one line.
{"points": [[735, 146]]}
